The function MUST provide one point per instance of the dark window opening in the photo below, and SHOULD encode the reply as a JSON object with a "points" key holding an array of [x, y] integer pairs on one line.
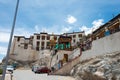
{"points": [[55, 37], [25, 46], [38, 43], [74, 36], [74, 40], [38, 37], [42, 43], [80, 35], [42, 47], [37, 48], [18, 39], [18, 45], [48, 37], [43, 37], [48, 43]]}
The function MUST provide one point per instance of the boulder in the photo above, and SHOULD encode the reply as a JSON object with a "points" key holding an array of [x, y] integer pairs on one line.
{"points": [[106, 67]]}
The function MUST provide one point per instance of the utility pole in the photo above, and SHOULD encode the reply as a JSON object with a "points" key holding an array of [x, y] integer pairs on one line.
{"points": [[10, 41]]}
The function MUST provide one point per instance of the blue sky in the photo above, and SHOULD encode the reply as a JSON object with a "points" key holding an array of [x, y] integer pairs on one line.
{"points": [[58, 16]]}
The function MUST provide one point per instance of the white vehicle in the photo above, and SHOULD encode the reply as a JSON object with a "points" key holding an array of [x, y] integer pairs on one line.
{"points": [[10, 68], [34, 68]]}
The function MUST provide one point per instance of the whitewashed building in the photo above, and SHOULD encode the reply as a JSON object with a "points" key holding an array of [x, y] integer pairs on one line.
{"points": [[22, 49], [29, 48], [76, 37], [41, 41]]}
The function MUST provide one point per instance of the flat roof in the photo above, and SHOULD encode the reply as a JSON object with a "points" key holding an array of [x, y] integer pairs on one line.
{"points": [[74, 32], [20, 36], [116, 17]]}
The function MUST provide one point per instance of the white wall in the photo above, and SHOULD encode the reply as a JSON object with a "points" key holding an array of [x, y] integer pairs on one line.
{"points": [[75, 53], [25, 54], [103, 46], [34, 42], [60, 55], [19, 53], [77, 39]]}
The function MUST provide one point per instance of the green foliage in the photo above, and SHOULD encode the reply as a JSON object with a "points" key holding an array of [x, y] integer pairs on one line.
{"points": [[1, 71]]}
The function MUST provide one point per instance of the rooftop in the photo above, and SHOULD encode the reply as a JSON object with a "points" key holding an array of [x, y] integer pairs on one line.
{"points": [[116, 17]]}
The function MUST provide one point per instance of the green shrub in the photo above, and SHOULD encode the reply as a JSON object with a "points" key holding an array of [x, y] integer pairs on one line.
{"points": [[1, 71]]}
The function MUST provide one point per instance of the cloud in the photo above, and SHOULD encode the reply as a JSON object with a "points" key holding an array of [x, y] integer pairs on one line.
{"points": [[4, 36], [0, 60], [96, 24], [1, 57], [36, 28], [22, 32], [86, 29], [56, 29], [66, 29], [3, 50], [53, 29], [71, 19]]}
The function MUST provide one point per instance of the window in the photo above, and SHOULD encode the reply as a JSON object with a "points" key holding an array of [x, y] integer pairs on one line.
{"points": [[43, 37], [38, 37], [37, 48], [74, 40], [74, 36], [38, 43], [25, 46], [42, 48], [32, 37], [18, 39], [48, 43], [80, 35], [48, 37], [42, 44], [55, 37], [71, 36], [80, 40]]}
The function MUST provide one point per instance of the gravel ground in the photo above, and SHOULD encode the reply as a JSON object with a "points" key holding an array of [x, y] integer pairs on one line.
{"points": [[29, 75]]}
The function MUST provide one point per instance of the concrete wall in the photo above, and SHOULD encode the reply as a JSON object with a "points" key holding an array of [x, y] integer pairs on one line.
{"points": [[103, 46], [67, 67], [59, 56], [74, 54], [18, 52], [25, 55], [65, 70]]}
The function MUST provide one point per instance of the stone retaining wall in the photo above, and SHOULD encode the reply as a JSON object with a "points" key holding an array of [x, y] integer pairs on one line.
{"points": [[103, 46]]}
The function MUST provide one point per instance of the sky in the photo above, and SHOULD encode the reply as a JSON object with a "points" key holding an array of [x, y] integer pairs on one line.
{"points": [[53, 16]]}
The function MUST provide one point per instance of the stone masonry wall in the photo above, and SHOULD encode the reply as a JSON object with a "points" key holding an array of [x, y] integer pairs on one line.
{"points": [[103, 46]]}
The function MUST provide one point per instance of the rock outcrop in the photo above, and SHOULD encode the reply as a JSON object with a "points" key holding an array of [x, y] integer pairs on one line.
{"points": [[106, 67]]}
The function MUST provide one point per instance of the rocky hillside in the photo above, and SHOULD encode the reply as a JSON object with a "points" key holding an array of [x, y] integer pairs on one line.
{"points": [[106, 67]]}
